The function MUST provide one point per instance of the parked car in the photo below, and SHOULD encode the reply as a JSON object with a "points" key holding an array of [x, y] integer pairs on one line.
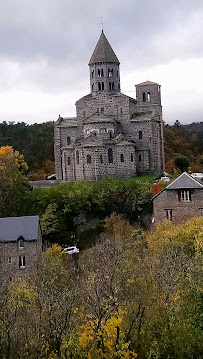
{"points": [[163, 175], [197, 175], [52, 177], [71, 250], [165, 178]]}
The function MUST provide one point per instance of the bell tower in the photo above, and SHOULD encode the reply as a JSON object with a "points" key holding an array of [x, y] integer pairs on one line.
{"points": [[104, 68]]}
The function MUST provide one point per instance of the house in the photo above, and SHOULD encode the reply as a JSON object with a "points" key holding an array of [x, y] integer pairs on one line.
{"points": [[20, 247], [179, 201], [112, 134]]}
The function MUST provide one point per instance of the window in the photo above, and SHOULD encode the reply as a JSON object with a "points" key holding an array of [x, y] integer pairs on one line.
{"points": [[22, 262], [110, 72], [77, 157], [102, 73], [122, 157], [140, 135], [101, 158], [68, 140], [21, 243], [169, 214], [148, 97], [99, 86], [110, 135], [102, 85], [131, 157], [69, 161], [102, 109], [89, 160], [83, 113], [140, 158], [185, 196], [92, 87], [99, 73], [92, 74], [102, 130], [144, 97], [9, 260], [110, 155], [201, 209], [121, 111]]}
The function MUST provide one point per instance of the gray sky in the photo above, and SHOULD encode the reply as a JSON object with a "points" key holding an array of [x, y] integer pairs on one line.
{"points": [[45, 46]]}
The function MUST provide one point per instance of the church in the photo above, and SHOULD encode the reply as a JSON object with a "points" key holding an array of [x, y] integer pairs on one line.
{"points": [[112, 135]]}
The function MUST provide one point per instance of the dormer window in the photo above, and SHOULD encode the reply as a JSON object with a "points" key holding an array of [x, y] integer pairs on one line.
{"points": [[185, 196], [21, 243]]}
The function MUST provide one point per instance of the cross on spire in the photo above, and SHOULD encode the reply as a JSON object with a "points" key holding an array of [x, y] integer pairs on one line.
{"points": [[102, 23]]}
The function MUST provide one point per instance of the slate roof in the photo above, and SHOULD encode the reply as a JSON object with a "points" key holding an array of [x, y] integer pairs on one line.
{"points": [[147, 83], [185, 181], [103, 52], [11, 228]]}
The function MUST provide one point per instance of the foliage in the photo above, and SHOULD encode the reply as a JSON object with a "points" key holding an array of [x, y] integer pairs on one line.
{"points": [[35, 142], [132, 294], [182, 162], [12, 166]]}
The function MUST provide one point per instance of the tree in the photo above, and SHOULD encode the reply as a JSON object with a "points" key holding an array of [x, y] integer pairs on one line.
{"points": [[182, 162], [12, 167]]}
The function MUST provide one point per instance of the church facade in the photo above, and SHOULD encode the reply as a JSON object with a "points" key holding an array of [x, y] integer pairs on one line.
{"points": [[112, 134]]}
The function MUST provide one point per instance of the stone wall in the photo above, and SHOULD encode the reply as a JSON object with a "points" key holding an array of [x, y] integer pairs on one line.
{"points": [[181, 211]]}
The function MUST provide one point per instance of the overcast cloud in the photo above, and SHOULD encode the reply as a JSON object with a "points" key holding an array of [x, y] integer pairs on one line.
{"points": [[45, 46]]}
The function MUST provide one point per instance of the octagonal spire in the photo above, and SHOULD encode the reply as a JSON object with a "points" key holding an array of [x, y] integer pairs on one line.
{"points": [[103, 52]]}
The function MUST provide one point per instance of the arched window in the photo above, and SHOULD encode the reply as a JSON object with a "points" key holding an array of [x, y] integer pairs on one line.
{"points": [[110, 155], [109, 85], [131, 157], [144, 97], [99, 86], [122, 157], [140, 135], [68, 140], [140, 158], [99, 73], [92, 87], [77, 157], [102, 85], [148, 97], [110, 135], [113, 85], [89, 159], [68, 160], [102, 73], [92, 74], [101, 158]]}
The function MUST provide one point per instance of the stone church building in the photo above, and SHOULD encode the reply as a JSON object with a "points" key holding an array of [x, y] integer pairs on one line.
{"points": [[112, 134]]}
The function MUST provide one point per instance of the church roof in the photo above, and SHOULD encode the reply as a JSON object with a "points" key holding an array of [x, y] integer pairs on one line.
{"points": [[147, 83], [103, 51]]}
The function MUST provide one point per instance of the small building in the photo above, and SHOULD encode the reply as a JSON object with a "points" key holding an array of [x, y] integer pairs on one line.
{"points": [[179, 201], [20, 247]]}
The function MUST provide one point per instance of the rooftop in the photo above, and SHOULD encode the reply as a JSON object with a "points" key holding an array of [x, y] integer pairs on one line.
{"points": [[11, 228], [103, 51], [185, 181]]}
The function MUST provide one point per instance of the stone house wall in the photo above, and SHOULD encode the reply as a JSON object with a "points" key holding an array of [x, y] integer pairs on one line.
{"points": [[9, 258], [181, 211]]}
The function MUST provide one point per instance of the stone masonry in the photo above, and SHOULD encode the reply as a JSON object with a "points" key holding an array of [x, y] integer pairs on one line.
{"points": [[112, 134]]}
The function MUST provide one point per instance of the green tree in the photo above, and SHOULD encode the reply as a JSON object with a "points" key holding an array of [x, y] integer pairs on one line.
{"points": [[12, 166], [182, 162]]}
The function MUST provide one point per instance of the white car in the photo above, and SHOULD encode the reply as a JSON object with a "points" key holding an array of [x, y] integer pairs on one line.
{"points": [[52, 177], [197, 175], [71, 250], [164, 178]]}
